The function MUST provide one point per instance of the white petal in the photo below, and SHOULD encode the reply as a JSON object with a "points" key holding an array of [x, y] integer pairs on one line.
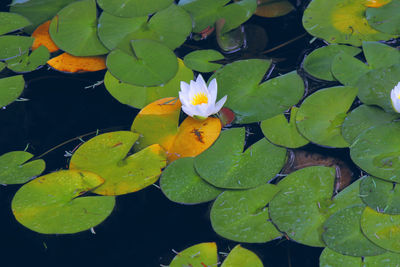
{"points": [[212, 90], [184, 98], [220, 104], [185, 88], [200, 81], [188, 111]]}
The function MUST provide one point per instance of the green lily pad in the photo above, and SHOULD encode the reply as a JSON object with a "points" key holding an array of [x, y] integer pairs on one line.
{"points": [[133, 8], [112, 29], [10, 89], [319, 62], [252, 101], [388, 260], [224, 165], [37, 11], [241, 257], [330, 258], [200, 255], [321, 115], [199, 60], [2, 65], [380, 55], [362, 118], [347, 69], [242, 215], [180, 183], [51, 204], [340, 21], [10, 22], [152, 64], [74, 29], [15, 170], [27, 63], [382, 229], [236, 14], [140, 96], [281, 133], [377, 151], [375, 86], [343, 233], [385, 18], [12, 46], [380, 195], [105, 155], [303, 220]]}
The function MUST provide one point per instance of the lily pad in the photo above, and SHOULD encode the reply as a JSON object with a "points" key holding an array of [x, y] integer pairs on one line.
{"points": [[242, 215], [340, 21], [151, 64], [133, 8], [319, 62], [273, 8], [330, 258], [199, 60], [377, 151], [51, 204], [321, 115], [386, 18], [14, 168], [203, 254], [380, 195], [105, 155], [280, 132], [10, 22], [10, 89], [42, 38], [74, 29], [342, 233], [72, 64], [236, 13], [180, 183], [241, 257], [252, 101], [2, 65], [362, 118], [382, 229], [388, 260], [140, 96], [224, 165], [347, 69], [12, 46], [27, 63], [380, 55]]}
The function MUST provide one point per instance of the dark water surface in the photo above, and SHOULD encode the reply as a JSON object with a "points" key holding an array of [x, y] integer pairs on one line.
{"points": [[144, 226]]}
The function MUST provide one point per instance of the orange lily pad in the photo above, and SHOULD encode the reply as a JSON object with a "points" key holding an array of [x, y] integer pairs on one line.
{"points": [[69, 63], [42, 37], [376, 3]]}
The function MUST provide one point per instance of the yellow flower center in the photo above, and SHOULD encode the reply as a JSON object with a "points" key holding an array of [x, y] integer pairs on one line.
{"points": [[398, 96], [200, 98]]}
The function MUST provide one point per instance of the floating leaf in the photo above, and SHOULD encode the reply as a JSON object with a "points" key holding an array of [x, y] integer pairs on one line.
{"points": [[380, 195], [224, 165], [273, 8], [152, 64], [199, 60], [133, 8], [347, 69], [42, 37], [10, 89], [13, 46], [180, 183], [14, 168], [386, 18], [74, 29], [241, 257], [10, 22], [69, 63], [27, 63], [362, 118], [380, 55], [105, 155], [321, 115], [283, 133], [37, 11], [340, 21], [203, 254], [242, 215], [2, 65], [252, 101], [236, 13], [377, 151], [388, 260], [51, 204], [140, 96], [330, 258], [382, 229], [342, 233]]}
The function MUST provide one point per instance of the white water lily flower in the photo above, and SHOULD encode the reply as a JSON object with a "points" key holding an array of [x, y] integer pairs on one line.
{"points": [[198, 100], [395, 96]]}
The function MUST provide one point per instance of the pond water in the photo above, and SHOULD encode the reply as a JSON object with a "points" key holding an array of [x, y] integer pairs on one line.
{"points": [[145, 226]]}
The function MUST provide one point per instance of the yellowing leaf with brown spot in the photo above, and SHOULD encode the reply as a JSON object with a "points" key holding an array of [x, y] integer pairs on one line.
{"points": [[42, 37], [69, 63]]}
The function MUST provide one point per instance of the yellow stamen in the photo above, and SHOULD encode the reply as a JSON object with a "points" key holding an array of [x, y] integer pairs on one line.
{"points": [[200, 98], [398, 96]]}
